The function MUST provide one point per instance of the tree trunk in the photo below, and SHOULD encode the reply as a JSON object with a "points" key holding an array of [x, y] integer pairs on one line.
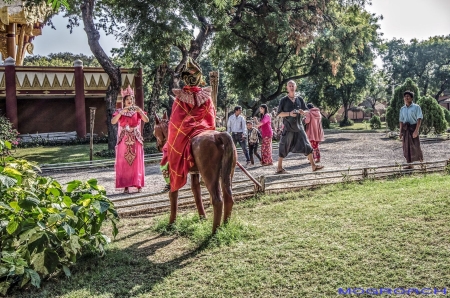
{"points": [[87, 11], [153, 104]]}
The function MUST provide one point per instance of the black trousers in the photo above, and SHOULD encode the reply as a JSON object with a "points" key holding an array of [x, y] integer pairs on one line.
{"points": [[253, 149]]}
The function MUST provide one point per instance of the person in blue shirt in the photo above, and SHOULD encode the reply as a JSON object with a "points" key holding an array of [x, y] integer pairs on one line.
{"points": [[410, 119]]}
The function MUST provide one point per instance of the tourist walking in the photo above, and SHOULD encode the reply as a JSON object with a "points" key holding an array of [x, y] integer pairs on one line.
{"points": [[238, 128], [129, 163], [265, 126], [410, 119], [253, 140], [293, 138], [314, 129]]}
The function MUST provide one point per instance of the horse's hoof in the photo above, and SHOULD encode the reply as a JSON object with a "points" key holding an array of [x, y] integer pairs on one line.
{"points": [[202, 217]]}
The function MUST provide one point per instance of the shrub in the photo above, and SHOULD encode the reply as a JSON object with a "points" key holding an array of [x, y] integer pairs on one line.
{"points": [[446, 115], [396, 103], [40, 141], [8, 133], [433, 116], [375, 122], [325, 123], [112, 153], [347, 122], [221, 129], [44, 228]]}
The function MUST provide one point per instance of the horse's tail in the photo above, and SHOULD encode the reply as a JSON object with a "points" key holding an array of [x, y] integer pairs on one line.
{"points": [[228, 160]]}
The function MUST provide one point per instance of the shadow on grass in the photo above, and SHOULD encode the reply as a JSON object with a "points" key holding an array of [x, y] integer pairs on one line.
{"points": [[137, 262], [124, 272]]}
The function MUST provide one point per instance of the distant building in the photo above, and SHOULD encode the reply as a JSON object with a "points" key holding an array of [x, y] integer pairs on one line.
{"points": [[57, 99]]}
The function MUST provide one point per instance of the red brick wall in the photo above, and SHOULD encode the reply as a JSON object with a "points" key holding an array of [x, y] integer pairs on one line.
{"points": [[100, 115], [57, 115], [46, 115]]}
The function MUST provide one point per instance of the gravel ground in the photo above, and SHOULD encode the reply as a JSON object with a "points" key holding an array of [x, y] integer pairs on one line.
{"points": [[340, 150]]}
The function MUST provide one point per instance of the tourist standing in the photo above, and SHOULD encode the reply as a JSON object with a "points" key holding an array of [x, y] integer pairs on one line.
{"points": [[265, 126], [293, 138], [410, 119], [238, 128], [129, 165], [253, 141], [314, 129]]}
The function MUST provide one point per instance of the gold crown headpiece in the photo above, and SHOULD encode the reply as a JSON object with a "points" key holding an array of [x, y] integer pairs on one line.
{"points": [[192, 73]]}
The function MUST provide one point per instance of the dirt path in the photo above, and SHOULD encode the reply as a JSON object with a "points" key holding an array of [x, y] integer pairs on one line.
{"points": [[340, 150]]}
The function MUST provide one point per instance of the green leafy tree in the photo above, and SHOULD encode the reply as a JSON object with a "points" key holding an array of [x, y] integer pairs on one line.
{"points": [[277, 41], [397, 102], [426, 62], [433, 116], [60, 59]]}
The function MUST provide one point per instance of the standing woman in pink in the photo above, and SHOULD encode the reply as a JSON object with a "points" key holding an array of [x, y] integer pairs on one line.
{"points": [[130, 170], [265, 128], [314, 129]]}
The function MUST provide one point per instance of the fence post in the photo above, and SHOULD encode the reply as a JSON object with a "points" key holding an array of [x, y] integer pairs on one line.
{"points": [[364, 173]]}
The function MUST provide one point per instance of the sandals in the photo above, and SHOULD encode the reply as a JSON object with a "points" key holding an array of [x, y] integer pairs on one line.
{"points": [[282, 171], [126, 190], [317, 168]]}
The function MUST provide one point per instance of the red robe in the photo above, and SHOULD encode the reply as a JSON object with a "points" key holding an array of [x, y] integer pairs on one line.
{"points": [[192, 113]]}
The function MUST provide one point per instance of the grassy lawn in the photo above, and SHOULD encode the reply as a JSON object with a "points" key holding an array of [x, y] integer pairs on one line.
{"points": [[358, 126], [58, 154], [382, 234]]}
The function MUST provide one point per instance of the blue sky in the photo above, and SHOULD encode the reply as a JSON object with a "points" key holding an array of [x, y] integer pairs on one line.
{"points": [[405, 19]]}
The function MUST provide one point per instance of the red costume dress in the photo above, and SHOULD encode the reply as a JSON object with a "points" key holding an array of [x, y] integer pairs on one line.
{"points": [[192, 114], [129, 166]]}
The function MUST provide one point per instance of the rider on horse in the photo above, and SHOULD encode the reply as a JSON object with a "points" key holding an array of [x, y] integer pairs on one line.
{"points": [[192, 113]]}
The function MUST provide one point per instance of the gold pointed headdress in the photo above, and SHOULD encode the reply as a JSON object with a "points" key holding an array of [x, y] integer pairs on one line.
{"points": [[192, 73]]}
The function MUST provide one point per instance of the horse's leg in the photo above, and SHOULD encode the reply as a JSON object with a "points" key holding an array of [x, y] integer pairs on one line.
{"points": [[228, 201], [173, 206], [196, 190], [212, 184]]}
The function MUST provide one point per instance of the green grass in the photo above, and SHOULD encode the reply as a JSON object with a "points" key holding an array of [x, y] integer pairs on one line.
{"points": [[390, 233], [58, 154], [358, 126]]}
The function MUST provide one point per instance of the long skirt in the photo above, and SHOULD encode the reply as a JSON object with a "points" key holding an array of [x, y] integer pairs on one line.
{"points": [[411, 146], [316, 150], [130, 169], [266, 151], [294, 142]]}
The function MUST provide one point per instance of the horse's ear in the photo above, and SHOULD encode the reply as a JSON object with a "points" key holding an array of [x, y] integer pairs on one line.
{"points": [[165, 116], [157, 120]]}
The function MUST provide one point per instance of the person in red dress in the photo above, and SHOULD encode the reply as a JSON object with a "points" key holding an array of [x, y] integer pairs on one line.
{"points": [[192, 113], [129, 165]]}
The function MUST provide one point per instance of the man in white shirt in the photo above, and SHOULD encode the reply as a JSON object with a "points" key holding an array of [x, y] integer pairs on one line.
{"points": [[238, 128]]}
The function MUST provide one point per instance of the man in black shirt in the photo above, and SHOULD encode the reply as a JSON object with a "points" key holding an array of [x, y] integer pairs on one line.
{"points": [[293, 138]]}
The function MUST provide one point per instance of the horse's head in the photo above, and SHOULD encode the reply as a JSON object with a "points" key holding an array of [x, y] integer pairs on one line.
{"points": [[161, 130]]}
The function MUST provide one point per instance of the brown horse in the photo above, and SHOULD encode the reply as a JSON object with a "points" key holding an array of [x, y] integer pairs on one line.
{"points": [[215, 159]]}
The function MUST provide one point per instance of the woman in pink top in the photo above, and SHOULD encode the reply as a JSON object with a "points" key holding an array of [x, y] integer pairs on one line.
{"points": [[265, 128], [314, 129], [129, 166]]}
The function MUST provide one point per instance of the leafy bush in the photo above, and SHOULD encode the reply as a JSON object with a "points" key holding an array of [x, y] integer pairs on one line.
{"points": [[8, 133], [43, 228], [221, 129], [49, 142], [446, 115], [433, 116], [397, 102], [375, 122], [112, 153], [325, 123], [343, 122]]}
